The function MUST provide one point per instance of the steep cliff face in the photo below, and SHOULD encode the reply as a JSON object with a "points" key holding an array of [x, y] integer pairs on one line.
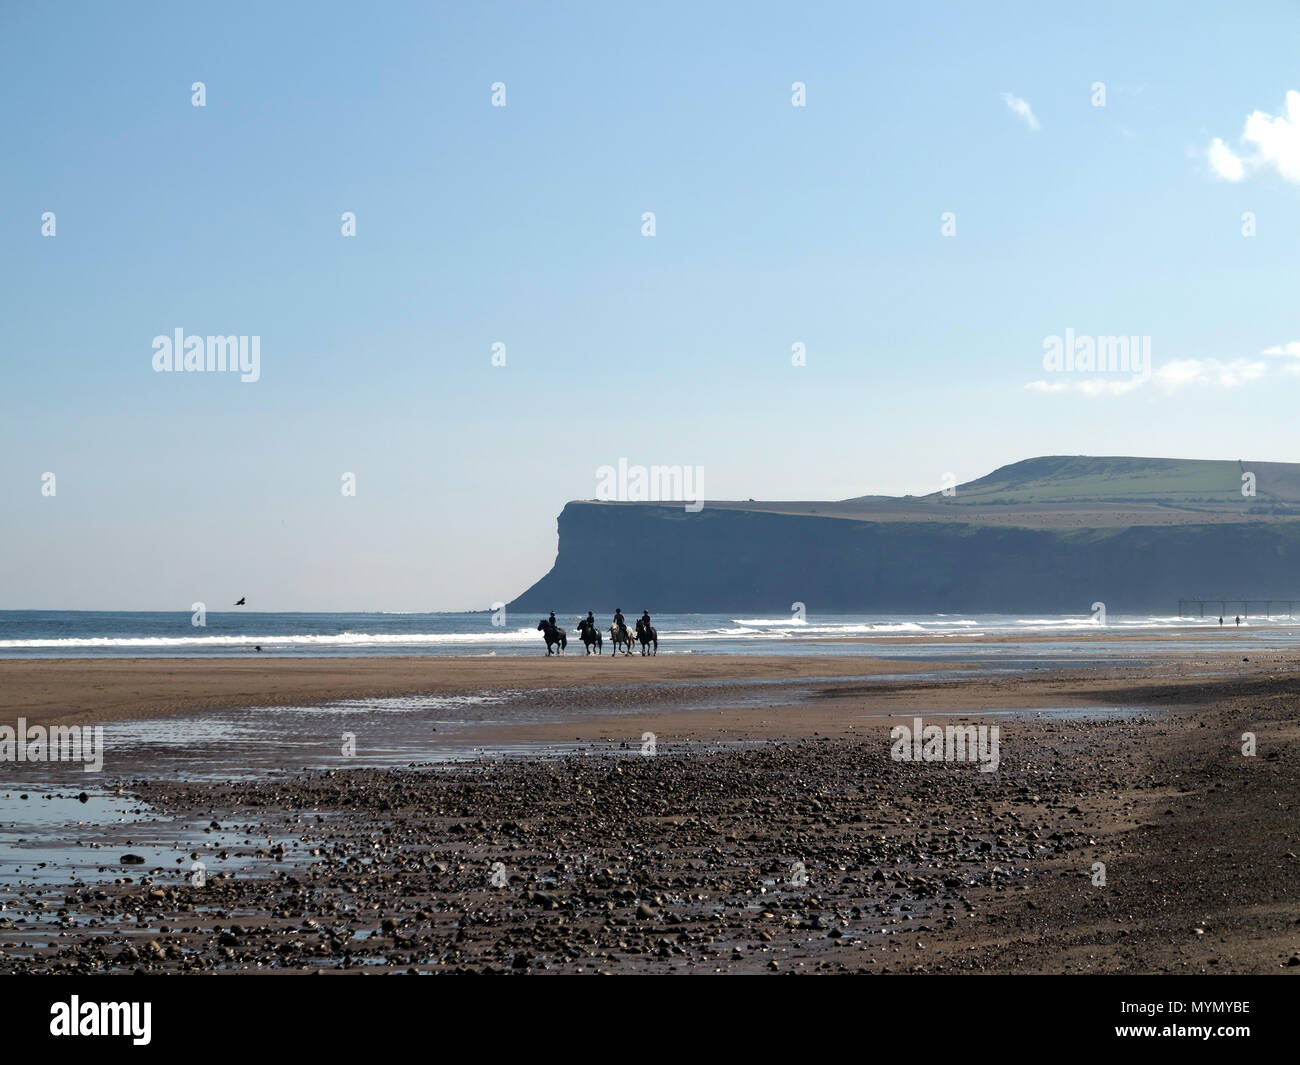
{"points": [[659, 556]]}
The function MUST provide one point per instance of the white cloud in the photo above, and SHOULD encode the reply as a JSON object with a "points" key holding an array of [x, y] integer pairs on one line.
{"points": [[1181, 373], [1224, 162], [1089, 386], [1275, 144], [1021, 108], [1291, 349], [1278, 138], [1176, 374]]}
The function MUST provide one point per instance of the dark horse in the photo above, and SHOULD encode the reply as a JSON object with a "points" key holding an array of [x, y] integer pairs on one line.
{"points": [[554, 636], [647, 635], [622, 638], [590, 636]]}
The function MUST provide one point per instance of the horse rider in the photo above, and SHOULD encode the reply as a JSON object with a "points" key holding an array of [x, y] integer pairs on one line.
{"points": [[591, 621], [619, 623], [552, 622], [645, 620]]}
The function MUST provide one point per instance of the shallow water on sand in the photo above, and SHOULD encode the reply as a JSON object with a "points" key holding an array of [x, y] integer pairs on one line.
{"points": [[254, 742], [54, 836]]}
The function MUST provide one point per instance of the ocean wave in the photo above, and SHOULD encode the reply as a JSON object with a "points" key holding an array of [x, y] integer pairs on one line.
{"points": [[307, 640], [513, 637], [470, 639], [1082, 622]]}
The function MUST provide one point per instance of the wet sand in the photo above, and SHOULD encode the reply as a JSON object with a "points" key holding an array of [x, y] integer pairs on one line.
{"points": [[843, 708], [802, 848], [90, 690], [815, 856], [85, 690]]}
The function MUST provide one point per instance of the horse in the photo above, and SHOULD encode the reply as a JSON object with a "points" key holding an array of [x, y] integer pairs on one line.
{"points": [[622, 638], [590, 636], [647, 635], [554, 635]]}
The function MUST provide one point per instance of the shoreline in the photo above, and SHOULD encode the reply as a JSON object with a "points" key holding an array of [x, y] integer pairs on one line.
{"points": [[1079, 635], [91, 691], [103, 690], [222, 719], [1146, 845], [615, 861], [100, 690]]}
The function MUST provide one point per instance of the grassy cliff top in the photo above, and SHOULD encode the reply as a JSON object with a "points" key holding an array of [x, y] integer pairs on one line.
{"points": [[1078, 479], [1064, 491]]}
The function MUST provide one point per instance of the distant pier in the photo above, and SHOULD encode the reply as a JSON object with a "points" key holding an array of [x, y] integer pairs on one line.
{"points": [[1267, 608]]}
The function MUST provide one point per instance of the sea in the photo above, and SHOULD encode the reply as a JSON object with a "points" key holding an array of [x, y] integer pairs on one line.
{"points": [[173, 634]]}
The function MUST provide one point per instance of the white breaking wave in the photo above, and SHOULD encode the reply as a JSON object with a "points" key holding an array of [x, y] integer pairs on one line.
{"points": [[342, 639], [416, 639], [1060, 622], [755, 630]]}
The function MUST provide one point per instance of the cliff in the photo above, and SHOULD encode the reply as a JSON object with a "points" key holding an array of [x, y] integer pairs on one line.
{"points": [[1050, 535]]}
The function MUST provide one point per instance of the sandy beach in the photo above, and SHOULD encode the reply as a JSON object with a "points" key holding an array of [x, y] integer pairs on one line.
{"points": [[84, 690], [776, 835], [99, 690]]}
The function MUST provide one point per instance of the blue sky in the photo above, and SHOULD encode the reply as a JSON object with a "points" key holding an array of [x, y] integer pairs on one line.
{"points": [[522, 225]]}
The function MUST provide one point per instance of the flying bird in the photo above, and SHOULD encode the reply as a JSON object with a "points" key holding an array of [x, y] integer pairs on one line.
{"points": [[241, 601]]}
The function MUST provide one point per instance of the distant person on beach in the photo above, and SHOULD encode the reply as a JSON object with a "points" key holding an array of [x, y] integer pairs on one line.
{"points": [[1220, 622], [1238, 621]]}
